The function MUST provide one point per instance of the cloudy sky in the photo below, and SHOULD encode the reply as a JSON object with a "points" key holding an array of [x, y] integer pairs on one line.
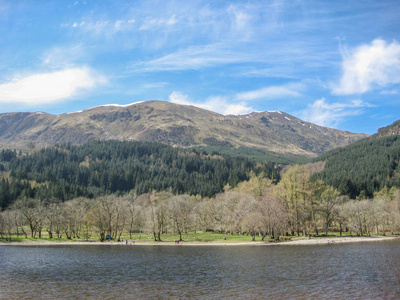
{"points": [[334, 63]]}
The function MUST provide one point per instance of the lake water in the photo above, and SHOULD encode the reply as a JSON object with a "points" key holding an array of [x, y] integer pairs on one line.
{"points": [[347, 271]]}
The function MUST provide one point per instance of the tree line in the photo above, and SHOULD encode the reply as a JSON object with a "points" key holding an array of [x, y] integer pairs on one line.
{"points": [[257, 207]]}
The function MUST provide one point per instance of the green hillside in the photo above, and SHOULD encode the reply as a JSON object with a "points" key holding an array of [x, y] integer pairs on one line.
{"points": [[364, 167], [115, 167]]}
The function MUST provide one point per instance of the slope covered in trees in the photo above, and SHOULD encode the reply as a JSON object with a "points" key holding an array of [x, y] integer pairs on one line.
{"points": [[363, 168], [114, 167]]}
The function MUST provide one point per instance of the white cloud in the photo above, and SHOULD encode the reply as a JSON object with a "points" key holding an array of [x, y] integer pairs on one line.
{"points": [[322, 113], [179, 98], [49, 87], [369, 67], [216, 103], [237, 109], [272, 92]]}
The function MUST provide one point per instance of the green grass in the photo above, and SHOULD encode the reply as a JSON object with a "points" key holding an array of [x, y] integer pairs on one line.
{"points": [[199, 236]]}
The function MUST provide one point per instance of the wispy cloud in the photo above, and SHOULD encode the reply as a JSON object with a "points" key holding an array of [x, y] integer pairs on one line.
{"points": [[155, 85], [217, 104], [195, 58], [273, 92], [390, 92], [195, 35], [153, 23], [63, 57], [49, 87], [280, 71], [369, 67], [331, 114], [101, 27]]}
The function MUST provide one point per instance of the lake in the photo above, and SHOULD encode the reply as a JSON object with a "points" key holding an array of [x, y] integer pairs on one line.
{"points": [[345, 271]]}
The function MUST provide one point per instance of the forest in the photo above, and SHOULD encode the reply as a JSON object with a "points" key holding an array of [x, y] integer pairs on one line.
{"points": [[363, 168], [124, 188], [256, 208], [94, 169]]}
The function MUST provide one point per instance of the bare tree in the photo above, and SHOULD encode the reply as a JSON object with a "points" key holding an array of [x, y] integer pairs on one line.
{"points": [[155, 206], [252, 223], [379, 213], [121, 217], [358, 214], [245, 206], [19, 219], [134, 212], [215, 212], [6, 224], [52, 215], [100, 215], [274, 216], [2, 226], [27, 208], [179, 211]]}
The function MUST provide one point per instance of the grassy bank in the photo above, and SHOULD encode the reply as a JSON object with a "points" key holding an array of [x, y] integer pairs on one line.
{"points": [[190, 237]]}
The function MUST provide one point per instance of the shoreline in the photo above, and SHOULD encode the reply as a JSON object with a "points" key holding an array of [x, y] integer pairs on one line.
{"points": [[294, 242]]}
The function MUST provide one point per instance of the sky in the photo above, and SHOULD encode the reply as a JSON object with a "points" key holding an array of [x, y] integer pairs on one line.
{"points": [[332, 63]]}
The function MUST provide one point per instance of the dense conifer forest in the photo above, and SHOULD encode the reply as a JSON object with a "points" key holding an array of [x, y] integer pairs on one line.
{"points": [[363, 168], [99, 168]]}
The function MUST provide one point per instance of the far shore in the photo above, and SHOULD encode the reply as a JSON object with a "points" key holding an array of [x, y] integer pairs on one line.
{"points": [[293, 242]]}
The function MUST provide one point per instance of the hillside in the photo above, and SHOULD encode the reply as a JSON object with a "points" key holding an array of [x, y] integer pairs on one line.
{"points": [[393, 129], [113, 167], [176, 125], [366, 166]]}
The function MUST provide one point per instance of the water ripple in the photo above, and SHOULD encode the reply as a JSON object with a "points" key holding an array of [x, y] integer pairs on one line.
{"points": [[356, 271]]}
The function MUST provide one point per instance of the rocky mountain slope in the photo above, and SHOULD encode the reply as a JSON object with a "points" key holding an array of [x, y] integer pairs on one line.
{"points": [[393, 129], [173, 124]]}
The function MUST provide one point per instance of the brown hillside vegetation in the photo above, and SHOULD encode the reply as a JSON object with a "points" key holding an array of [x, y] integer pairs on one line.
{"points": [[177, 125]]}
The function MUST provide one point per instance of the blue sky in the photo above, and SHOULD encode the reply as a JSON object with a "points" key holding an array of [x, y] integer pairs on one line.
{"points": [[334, 63]]}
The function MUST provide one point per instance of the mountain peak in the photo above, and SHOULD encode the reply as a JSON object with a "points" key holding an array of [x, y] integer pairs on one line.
{"points": [[174, 124]]}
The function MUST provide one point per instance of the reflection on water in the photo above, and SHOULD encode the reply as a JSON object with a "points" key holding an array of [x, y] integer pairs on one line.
{"points": [[361, 271]]}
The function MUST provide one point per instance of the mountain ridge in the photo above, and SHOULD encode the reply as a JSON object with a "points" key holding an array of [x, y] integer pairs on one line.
{"points": [[393, 129], [173, 124]]}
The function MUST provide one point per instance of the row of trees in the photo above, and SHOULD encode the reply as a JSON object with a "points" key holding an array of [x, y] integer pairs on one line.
{"points": [[256, 207]]}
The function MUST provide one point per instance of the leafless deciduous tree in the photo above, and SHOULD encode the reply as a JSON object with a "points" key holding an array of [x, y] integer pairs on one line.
{"points": [[179, 211]]}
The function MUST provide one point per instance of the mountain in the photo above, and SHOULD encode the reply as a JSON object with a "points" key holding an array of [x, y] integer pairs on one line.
{"points": [[173, 124], [366, 166], [393, 129]]}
